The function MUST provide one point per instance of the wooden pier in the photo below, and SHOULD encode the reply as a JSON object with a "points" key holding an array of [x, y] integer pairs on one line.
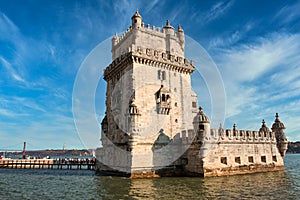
{"points": [[74, 164]]}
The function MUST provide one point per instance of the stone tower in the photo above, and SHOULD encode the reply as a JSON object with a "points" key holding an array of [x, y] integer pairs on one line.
{"points": [[152, 126], [149, 99]]}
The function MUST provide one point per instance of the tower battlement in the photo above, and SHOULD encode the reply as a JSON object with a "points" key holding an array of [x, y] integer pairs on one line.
{"points": [[139, 36]]}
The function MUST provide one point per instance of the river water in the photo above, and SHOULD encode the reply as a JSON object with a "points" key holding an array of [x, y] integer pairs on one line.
{"points": [[84, 184]]}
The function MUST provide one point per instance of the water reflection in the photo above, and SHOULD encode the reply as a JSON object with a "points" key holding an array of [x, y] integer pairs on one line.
{"points": [[271, 185], [76, 184]]}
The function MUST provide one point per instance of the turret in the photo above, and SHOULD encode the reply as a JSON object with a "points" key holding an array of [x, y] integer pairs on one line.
{"points": [[201, 124], [264, 129], [115, 40], [136, 20], [279, 129], [168, 29], [133, 128], [180, 35]]}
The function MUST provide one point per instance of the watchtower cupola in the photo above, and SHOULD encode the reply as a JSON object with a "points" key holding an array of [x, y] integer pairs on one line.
{"points": [[136, 20], [201, 124], [279, 129]]}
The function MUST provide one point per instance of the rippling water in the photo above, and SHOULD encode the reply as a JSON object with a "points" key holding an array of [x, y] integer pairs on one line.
{"points": [[63, 184]]}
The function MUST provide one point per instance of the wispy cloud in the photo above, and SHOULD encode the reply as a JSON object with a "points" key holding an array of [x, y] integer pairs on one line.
{"points": [[231, 37], [217, 10], [288, 13], [11, 70], [7, 27], [262, 74], [250, 61]]}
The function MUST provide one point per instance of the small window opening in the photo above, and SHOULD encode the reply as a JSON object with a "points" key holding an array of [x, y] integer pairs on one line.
{"points": [[263, 159], [224, 160], [237, 160], [250, 159], [194, 104], [274, 159]]}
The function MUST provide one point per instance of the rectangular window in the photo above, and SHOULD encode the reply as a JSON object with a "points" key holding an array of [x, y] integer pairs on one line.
{"points": [[250, 159], [274, 159], [158, 74], [194, 104], [224, 160], [263, 159], [163, 75], [237, 160]]}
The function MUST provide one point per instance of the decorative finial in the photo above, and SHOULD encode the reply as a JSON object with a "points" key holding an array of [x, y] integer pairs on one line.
{"points": [[179, 28], [116, 36], [168, 23], [277, 118], [234, 126], [263, 123], [200, 108], [136, 14]]}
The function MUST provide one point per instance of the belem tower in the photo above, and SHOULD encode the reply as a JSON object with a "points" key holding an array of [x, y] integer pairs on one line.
{"points": [[153, 126]]}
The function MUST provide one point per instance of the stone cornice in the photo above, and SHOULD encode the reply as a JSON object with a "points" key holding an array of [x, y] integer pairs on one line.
{"points": [[150, 57]]}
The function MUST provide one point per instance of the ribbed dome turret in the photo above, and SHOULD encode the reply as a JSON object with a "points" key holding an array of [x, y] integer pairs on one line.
{"points": [[277, 124], [201, 117], [264, 127], [136, 14], [136, 20]]}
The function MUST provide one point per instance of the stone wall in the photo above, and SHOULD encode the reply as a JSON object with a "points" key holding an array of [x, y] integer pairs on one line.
{"points": [[240, 151]]}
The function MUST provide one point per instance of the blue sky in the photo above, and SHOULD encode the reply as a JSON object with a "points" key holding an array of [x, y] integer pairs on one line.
{"points": [[255, 45]]}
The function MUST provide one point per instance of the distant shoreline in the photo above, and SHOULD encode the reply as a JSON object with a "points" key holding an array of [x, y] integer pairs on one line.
{"points": [[51, 153]]}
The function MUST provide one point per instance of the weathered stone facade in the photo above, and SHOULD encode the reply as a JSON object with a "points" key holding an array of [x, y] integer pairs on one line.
{"points": [[152, 125]]}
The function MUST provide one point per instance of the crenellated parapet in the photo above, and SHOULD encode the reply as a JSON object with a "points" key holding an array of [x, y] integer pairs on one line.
{"points": [[157, 31], [139, 35], [235, 136], [264, 135]]}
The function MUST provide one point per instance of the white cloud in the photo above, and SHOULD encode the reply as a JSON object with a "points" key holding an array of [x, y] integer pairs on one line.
{"points": [[262, 78], [8, 28], [288, 13], [11, 70], [217, 10], [249, 61], [231, 37]]}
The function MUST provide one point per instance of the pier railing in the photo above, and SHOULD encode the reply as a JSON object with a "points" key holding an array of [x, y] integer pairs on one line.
{"points": [[80, 164]]}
